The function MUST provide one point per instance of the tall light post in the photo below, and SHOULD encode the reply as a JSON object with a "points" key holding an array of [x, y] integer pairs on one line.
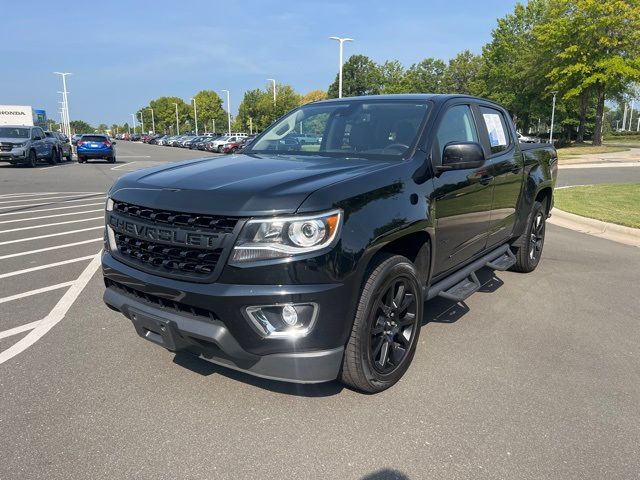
{"points": [[624, 117], [633, 105], [553, 115], [133, 115], [228, 110], [141, 122], [341, 41], [213, 124], [66, 99], [195, 114], [177, 121], [153, 120], [274, 89]]}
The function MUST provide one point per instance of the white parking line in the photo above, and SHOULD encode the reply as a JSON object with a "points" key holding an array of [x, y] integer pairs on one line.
{"points": [[35, 292], [48, 249], [123, 165], [36, 194], [48, 198], [43, 267], [20, 329], [134, 156], [51, 209], [30, 239], [56, 315], [51, 216], [54, 203], [52, 224], [57, 166]]}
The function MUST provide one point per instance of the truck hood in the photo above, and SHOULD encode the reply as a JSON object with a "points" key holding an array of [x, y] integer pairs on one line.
{"points": [[13, 140], [238, 185]]}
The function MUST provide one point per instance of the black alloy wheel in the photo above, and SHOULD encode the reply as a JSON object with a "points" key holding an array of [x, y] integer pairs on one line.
{"points": [[393, 325]]}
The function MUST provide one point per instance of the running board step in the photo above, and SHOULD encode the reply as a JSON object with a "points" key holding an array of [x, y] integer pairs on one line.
{"points": [[504, 262], [463, 289]]}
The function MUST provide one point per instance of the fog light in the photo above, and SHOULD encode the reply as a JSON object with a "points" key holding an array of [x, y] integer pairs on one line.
{"points": [[278, 321], [289, 315]]}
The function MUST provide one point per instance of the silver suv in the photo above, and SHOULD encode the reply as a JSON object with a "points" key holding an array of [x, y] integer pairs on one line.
{"points": [[25, 145]]}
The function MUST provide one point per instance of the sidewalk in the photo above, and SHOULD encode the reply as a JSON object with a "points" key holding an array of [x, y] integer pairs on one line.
{"points": [[617, 159]]}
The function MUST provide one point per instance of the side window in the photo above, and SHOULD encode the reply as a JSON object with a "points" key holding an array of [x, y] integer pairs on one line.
{"points": [[496, 128], [457, 125]]}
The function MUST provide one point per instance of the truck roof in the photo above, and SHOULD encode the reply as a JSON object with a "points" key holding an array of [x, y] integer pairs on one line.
{"points": [[438, 98]]}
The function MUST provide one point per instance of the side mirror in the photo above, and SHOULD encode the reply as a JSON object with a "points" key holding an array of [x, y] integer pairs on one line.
{"points": [[461, 156]]}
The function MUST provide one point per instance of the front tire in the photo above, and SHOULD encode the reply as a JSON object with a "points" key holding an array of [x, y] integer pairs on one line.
{"points": [[386, 326], [53, 158], [112, 159], [32, 160], [532, 241]]}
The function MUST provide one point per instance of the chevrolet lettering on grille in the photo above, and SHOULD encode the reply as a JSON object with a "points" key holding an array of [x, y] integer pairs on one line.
{"points": [[173, 236]]}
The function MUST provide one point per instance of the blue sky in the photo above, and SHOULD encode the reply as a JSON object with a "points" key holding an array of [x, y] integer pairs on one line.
{"points": [[123, 54]]}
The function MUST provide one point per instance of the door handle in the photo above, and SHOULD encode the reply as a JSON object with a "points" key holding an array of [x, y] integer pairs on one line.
{"points": [[486, 179]]}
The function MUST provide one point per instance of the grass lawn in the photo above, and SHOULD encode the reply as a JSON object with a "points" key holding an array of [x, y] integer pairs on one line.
{"points": [[570, 152], [617, 203]]}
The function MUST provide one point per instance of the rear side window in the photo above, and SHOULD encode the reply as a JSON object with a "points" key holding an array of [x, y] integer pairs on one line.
{"points": [[457, 125], [93, 138], [496, 128]]}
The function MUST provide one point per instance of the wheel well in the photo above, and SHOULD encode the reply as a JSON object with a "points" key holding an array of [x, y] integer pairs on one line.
{"points": [[545, 197], [412, 246]]}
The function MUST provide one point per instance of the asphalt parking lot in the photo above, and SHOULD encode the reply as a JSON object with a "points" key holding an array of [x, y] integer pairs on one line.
{"points": [[536, 376]]}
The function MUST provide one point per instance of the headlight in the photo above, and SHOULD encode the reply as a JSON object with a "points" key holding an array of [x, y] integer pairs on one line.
{"points": [[285, 236], [19, 145], [109, 205]]}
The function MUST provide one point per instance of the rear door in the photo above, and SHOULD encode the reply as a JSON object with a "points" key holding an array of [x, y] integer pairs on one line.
{"points": [[505, 164], [39, 142], [462, 197]]}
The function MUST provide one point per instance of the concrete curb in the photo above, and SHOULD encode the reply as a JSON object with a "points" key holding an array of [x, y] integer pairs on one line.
{"points": [[597, 228]]}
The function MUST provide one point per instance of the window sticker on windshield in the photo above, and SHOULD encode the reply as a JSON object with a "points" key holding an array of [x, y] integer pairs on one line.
{"points": [[497, 136]]}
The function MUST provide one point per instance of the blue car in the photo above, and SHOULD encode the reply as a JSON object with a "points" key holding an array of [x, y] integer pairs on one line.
{"points": [[96, 146]]}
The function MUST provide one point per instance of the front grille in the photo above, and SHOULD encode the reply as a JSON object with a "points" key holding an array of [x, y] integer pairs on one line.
{"points": [[5, 148], [213, 223], [168, 256], [176, 307]]}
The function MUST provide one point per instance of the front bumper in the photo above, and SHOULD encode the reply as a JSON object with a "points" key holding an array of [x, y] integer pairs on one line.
{"points": [[207, 320], [14, 155]]}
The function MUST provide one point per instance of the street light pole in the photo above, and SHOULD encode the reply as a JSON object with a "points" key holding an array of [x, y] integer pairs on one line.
{"points": [[195, 114], [141, 122], [177, 121], [553, 115], [66, 99], [274, 89], [228, 110], [633, 105], [153, 120], [341, 41], [133, 115]]}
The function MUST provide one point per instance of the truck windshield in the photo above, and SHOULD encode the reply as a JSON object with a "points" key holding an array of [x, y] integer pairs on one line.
{"points": [[376, 129], [13, 132]]}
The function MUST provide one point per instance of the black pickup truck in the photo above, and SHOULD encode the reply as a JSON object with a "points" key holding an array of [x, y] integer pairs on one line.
{"points": [[308, 263]]}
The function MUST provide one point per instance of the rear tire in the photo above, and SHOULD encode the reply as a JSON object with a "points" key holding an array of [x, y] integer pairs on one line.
{"points": [[529, 252], [386, 326], [112, 159], [53, 158], [81, 160]]}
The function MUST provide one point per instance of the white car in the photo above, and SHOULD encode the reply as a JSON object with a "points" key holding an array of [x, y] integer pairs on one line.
{"points": [[525, 139], [218, 145]]}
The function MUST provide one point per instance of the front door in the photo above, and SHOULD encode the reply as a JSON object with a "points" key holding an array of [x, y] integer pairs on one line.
{"points": [[462, 197]]}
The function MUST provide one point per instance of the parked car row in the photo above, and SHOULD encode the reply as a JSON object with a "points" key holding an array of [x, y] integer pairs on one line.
{"points": [[27, 145], [209, 142]]}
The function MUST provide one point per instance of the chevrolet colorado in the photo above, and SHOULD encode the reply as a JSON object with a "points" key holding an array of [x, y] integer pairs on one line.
{"points": [[308, 263]]}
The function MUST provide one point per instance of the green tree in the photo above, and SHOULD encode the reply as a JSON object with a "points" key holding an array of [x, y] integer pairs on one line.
{"points": [[102, 128], [462, 74], [209, 106], [258, 110], [595, 45], [313, 96], [80, 126], [392, 77], [360, 76], [513, 71], [425, 76], [164, 112]]}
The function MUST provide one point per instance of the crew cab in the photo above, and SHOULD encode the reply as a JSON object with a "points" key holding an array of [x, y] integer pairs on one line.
{"points": [[311, 264]]}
